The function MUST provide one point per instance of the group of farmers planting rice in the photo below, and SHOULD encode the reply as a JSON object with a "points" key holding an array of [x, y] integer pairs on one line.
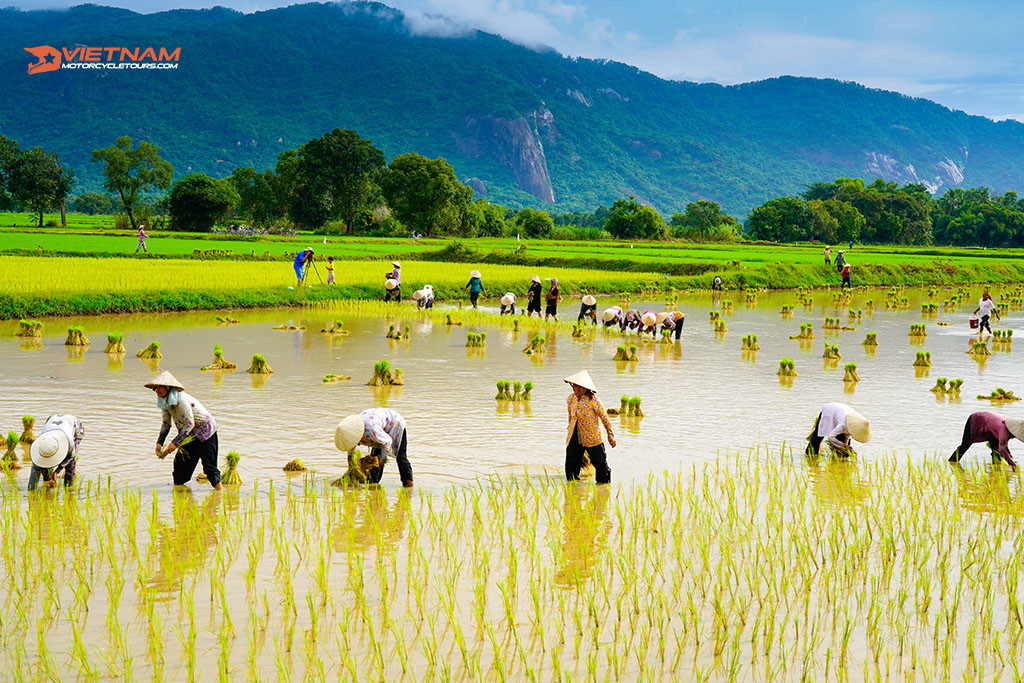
{"points": [[383, 430]]}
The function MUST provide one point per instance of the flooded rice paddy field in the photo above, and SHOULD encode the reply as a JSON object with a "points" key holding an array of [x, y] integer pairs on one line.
{"points": [[718, 553]]}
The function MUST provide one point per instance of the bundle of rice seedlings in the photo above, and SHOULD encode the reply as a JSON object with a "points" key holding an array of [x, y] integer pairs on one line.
{"points": [[333, 379], [10, 459], [517, 390], [850, 373], [288, 327], [940, 386], [634, 407], [624, 405], [832, 352], [714, 315], [954, 387], [337, 328], [381, 374], [632, 353], [999, 394], [76, 337], [226, 320], [917, 330], [621, 353], [527, 388], [806, 332], [358, 470], [854, 316], [535, 346], [28, 423], [231, 477], [870, 339], [295, 466], [923, 359], [720, 327], [29, 328], [259, 366], [787, 310], [831, 323], [218, 361], [787, 368], [870, 305], [666, 336], [979, 348], [750, 343], [449, 321], [115, 343], [150, 352], [476, 340], [503, 395], [728, 305]]}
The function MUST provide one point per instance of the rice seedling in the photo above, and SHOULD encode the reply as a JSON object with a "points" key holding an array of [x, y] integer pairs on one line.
{"points": [[713, 316], [535, 346], [954, 387], [226, 320], [806, 332], [624, 353], [288, 327], [831, 323], [295, 466], [728, 306], [476, 340], [940, 387], [786, 311], [634, 409], [338, 328], [218, 363], [10, 459], [917, 330], [1002, 337], [503, 392], [979, 348], [850, 373], [719, 326], [151, 352], [999, 395], [29, 329], [76, 337], [259, 366], [787, 368], [115, 343], [396, 333], [831, 352], [871, 339], [28, 435], [853, 316], [231, 476], [923, 359], [384, 375], [331, 378]]}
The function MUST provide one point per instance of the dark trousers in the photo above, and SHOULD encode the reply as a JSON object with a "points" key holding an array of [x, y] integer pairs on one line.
{"points": [[966, 442], [574, 460], [393, 294], [473, 297], [69, 466], [846, 282], [188, 456], [814, 441], [404, 468], [983, 325], [587, 312], [679, 327]]}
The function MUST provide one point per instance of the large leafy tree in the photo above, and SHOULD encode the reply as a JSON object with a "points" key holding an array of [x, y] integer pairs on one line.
{"points": [[534, 222], [703, 220], [131, 171], [197, 201], [785, 219], [39, 181], [628, 219], [425, 194], [93, 203], [338, 172], [260, 195], [9, 152]]}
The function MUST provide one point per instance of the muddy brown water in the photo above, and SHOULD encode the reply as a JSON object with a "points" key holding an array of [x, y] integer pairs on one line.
{"points": [[702, 397]]}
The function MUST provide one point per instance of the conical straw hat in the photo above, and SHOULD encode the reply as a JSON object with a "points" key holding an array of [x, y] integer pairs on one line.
{"points": [[661, 317], [165, 379], [418, 294], [390, 283], [858, 427], [589, 300], [508, 299], [349, 432], [1016, 427], [583, 379], [649, 319], [609, 314]]}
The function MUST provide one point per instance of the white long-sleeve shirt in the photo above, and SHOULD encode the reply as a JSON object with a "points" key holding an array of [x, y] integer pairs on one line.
{"points": [[832, 424]]}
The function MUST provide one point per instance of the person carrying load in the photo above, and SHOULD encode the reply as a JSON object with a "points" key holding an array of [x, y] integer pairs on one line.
{"points": [[393, 283], [837, 423]]}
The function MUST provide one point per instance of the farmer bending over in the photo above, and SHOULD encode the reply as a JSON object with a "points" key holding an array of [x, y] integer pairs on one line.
{"points": [[588, 309], [837, 423], [383, 430], [197, 431], [673, 321], [56, 449], [994, 430]]}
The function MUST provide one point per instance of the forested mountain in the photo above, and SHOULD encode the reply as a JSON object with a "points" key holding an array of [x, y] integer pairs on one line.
{"points": [[525, 127]]}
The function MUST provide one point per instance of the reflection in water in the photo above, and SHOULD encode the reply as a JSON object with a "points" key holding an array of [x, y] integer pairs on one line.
{"points": [[994, 489], [152, 363], [258, 380], [115, 362], [54, 518], [180, 550], [585, 532], [76, 354], [367, 521], [836, 481], [30, 343]]}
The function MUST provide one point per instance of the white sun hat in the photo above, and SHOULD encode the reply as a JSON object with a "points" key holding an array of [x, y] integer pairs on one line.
{"points": [[609, 314], [508, 299], [390, 283], [583, 379], [50, 449], [535, 278], [418, 294], [589, 300], [165, 379], [858, 427], [349, 432], [474, 273], [649, 319]]}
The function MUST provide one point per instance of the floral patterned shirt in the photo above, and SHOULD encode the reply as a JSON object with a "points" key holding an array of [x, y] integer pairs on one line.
{"points": [[586, 414], [384, 427], [191, 419]]}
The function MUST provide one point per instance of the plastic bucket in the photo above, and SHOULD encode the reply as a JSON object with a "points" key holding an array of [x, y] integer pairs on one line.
{"points": [[973, 322]]}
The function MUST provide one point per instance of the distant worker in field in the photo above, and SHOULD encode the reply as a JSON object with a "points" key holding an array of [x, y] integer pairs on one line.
{"points": [[987, 307], [142, 239], [393, 283], [837, 423], [840, 260], [551, 299], [424, 297], [845, 272], [992, 429], [508, 304], [475, 287], [611, 316], [330, 270], [301, 262], [383, 430], [631, 320], [56, 449], [828, 255], [588, 309], [673, 321], [586, 415], [196, 440], [533, 296], [716, 283]]}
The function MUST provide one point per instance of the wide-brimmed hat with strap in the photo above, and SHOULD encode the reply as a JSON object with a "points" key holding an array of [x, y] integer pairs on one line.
{"points": [[858, 427], [165, 379], [582, 379], [349, 432]]}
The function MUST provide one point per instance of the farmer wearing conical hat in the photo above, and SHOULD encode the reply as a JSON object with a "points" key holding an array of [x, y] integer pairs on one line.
{"points": [[197, 431], [56, 449], [588, 309], [672, 320], [586, 415], [551, 298], [837, 423], [994, 430], [508, 304], [475, 287], [533, 296], [383, 430], [611, 316], [424, 297], [631, 320]]}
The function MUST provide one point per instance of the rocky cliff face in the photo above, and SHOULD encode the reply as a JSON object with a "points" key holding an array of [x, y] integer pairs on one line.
{"points": [[513, 144], [942, 172]]}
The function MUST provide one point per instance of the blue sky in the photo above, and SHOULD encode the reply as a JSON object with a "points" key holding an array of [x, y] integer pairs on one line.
{"points": [[964, 55]]}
